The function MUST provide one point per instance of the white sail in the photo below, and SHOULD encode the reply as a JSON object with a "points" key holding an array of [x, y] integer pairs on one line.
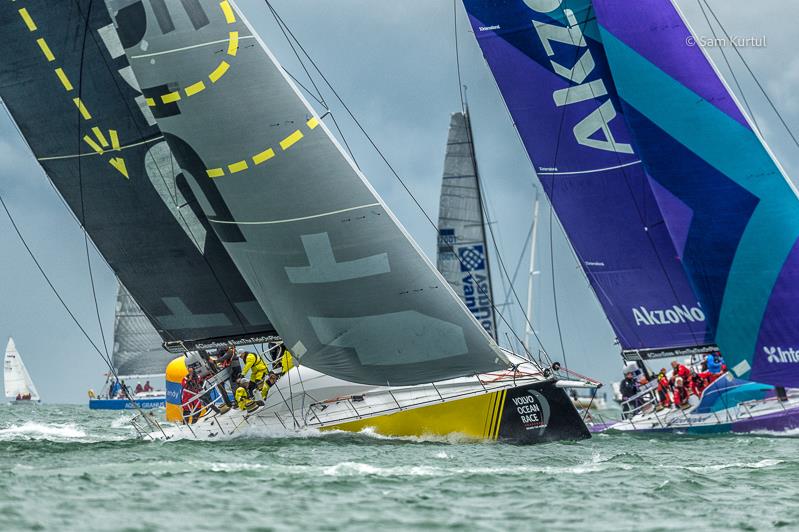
{"points": [[16, 379]]}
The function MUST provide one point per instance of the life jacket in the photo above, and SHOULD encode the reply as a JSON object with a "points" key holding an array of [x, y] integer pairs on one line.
{"points": [[254, 362]]}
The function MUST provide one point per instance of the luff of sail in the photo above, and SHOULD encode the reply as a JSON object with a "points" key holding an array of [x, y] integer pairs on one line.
{"points": [[549, 64], [344, 284], [67, 84], [462, 248], [17, 381], [727, 202], [137, 345]]}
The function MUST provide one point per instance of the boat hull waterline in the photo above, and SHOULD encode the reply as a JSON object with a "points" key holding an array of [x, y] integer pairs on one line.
{"points": [[508, 407]]}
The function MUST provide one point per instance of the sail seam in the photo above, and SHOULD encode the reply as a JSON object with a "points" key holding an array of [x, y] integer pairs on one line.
{"points": [[289, 220], [595, 170]]}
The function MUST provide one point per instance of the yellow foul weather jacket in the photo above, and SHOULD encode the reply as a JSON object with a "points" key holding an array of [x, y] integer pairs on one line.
{"points": [[254, 362]]}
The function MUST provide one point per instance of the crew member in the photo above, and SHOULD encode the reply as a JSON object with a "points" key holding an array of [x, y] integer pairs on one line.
{"points": [[242, 396], [714, 363], [270, 381], [663, 389], [254, 363], [680, 392], [628, 389]]}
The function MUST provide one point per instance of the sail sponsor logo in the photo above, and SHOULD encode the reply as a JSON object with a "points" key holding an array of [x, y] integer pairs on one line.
{"points": [[593, 131], [489, 28], [446, 240], [778, 355], [472, 258], [675, 314], [533, 410]]}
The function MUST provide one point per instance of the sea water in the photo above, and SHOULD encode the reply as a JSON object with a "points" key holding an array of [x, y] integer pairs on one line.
{"points": [[68, 468]]}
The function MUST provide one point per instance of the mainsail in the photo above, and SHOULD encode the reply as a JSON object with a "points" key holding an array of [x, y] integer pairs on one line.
{"points": [[462, 248], [550, 66], [66, 80], [16, 379], [349, 291], [727, 202], [137, 345]]}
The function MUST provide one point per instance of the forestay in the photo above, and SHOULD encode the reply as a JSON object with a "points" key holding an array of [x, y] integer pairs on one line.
{"points": [[724, 197], [67, 83], [16, 379], [345, 286], [137, 346], [462, 247], [548, 61]]}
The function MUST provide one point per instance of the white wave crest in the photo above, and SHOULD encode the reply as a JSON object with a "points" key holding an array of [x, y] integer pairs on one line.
{"points": [[31, 430]]}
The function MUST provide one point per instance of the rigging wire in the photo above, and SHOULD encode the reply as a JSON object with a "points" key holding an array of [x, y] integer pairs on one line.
{"points": [[371, 141], [754, 78]]}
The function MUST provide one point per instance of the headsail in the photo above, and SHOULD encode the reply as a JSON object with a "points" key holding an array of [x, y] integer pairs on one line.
{"points": [[344, 284], [551, 69], [137, 346], [67, 83], [727, 202], [16, 379], [462, 248]]}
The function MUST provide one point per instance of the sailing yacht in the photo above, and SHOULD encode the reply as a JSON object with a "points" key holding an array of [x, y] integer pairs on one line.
{"points": [[227, 208], [16, 379], [138, 358], [684, 221]]}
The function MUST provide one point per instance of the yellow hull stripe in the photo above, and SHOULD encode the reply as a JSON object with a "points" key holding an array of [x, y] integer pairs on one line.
{"points": [[475, 417]]}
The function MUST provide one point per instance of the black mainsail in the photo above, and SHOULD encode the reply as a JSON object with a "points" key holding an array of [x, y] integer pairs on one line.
{"points": [[66, 80]]}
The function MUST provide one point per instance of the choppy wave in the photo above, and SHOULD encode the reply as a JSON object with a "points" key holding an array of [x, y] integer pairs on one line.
{"points": [[32, 430]]}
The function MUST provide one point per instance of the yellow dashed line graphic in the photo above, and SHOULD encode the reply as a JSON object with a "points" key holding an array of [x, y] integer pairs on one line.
{"points": [[233, 45], [291, 140], [63, 78], [82, 108], [217, 73], [262, 157], [27, 19], [230, 17], [48, 54], [102, 142], [170, 97]]}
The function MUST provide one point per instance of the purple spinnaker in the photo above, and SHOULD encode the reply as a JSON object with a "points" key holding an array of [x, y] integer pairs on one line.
{"points": [[553, 74]]}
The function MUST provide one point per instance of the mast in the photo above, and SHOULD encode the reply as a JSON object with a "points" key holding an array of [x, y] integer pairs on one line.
{"points": [[528, 327]]}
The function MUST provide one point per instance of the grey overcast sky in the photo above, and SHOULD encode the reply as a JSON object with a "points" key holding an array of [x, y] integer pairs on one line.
{"points": [[393, 63]]}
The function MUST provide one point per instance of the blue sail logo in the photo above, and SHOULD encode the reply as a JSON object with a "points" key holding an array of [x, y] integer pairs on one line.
{"points": [[472, 258]]}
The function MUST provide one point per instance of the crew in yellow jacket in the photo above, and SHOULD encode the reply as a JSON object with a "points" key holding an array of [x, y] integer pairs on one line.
{"points": [[286, 362], [241, 396], [270, 381], [251, 361]]}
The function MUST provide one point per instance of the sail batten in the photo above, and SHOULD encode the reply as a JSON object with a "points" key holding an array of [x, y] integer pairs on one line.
{"points": [[93, 131], [346, 287]]}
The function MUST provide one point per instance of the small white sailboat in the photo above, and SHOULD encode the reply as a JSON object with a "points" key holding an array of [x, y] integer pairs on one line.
{"points": [[16, 379]]}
